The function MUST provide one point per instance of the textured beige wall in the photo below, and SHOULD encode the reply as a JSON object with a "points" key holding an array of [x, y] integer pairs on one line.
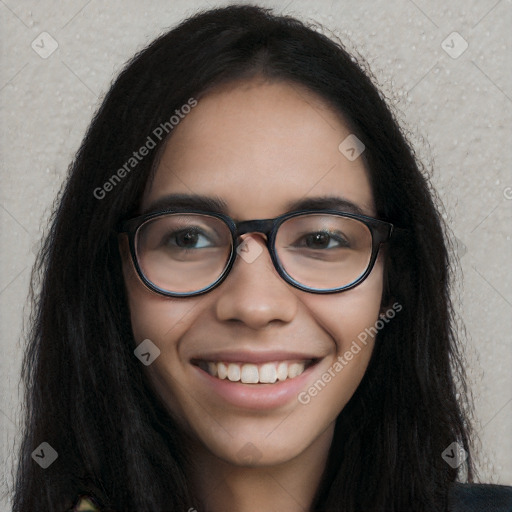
{"points": [[457, 110]]}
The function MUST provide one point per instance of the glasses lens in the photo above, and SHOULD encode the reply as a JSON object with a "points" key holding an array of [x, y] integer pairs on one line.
{"points": [[183, 253], [324, 251]]}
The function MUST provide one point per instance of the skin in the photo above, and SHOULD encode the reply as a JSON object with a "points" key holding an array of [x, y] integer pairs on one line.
{"points": [[257, 145]]}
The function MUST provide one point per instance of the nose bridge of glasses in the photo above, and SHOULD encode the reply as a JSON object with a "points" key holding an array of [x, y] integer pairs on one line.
{"points": [[263, 226]]}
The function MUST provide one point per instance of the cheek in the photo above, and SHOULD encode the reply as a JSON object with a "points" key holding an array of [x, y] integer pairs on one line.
{"points": [[161, 319], [350, 319], [348, 314]]}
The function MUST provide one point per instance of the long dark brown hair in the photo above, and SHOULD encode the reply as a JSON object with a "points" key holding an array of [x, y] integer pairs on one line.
{"points": [[86, 393]]}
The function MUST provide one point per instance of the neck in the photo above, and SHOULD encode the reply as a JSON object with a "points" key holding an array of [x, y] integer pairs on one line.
{"points": [[287, 487]]}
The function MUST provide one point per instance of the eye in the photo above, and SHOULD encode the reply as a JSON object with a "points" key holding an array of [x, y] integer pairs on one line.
{"points": [[190, 238], [323, 240]]}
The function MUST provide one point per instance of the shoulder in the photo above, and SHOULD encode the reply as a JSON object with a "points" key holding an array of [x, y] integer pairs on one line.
{"points": [[479, 497]]}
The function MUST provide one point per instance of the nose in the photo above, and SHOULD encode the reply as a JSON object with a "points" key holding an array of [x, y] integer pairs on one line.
{"points": [[253, 293]]}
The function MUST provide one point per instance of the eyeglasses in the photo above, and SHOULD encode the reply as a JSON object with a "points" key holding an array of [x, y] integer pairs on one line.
{"points": [[187, 253]]}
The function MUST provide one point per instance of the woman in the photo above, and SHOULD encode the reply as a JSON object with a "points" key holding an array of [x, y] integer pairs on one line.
{"points": [[244, 297]]}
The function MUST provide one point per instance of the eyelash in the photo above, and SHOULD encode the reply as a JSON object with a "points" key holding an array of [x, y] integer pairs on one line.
{"points": [[172, 236]]}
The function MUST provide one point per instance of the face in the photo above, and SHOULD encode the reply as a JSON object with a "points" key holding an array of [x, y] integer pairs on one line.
{"points": [[258, 147]]}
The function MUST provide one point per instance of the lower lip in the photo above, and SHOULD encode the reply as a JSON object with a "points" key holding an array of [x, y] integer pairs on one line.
{"points": [[256, 396]]}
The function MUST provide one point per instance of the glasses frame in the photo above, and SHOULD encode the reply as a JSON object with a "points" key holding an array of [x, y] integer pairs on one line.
{"points": [[380, 231]]}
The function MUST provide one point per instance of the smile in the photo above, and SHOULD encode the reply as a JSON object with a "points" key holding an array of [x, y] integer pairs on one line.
{"points": [[253, 380], [250, 373]]}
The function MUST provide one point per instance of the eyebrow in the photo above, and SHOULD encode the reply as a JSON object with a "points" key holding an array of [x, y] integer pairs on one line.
{"points": [[215, 204]]}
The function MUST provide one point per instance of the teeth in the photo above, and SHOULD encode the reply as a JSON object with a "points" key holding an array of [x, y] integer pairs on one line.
{"points": [[222, 371], [294, 370], [233, 372], [267, 373], [282, 371], [250, 374], [212, 369]]}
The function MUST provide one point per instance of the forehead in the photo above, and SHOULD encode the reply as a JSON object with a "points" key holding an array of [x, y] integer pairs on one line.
{"points": [[259, 146]]}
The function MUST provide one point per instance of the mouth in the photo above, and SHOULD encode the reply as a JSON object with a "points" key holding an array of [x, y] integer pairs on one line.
{"points": [[270, 372], [257, 381]]}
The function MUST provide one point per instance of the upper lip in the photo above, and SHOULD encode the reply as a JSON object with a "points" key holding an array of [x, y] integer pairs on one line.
{"points": [[253, 357]]}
